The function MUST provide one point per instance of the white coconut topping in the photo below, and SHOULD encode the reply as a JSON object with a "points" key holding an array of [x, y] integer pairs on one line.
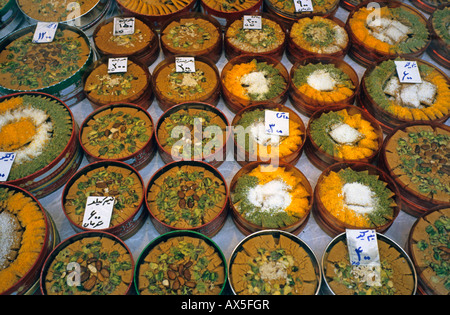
{"points": [[321, 80], [358, 197], [273, 196], [345, 134], [256, 81]]}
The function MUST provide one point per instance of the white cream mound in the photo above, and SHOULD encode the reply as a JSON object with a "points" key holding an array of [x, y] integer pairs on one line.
{"points": [[259, 134], [345, 134], [321, 80], [256, 82], [358, 197], [272, 196]]}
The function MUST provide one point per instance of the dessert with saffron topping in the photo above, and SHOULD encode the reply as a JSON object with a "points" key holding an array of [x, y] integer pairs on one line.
{"points": [[398, 30], [255, 144], [343, 133], [320, 82], [393, 102], [357, 196], [270, 197], [24, 233], [248, 79]]}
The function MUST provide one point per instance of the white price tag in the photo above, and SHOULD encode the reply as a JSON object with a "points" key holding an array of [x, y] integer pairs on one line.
{"points": [[276, 123], [6, 162], [117, 65], [303, 6], [252, 22], [123, 26], [44, 32], [184, 64], [362, 247], [98, 211], [408, 72]]}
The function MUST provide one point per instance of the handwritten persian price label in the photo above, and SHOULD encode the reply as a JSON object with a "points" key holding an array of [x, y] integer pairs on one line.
{"points": [[117, 65], [408, 72], [184, 64], [276, 123], [98, 211], [303, 6], [123, 26], [252, 22], [6, 162], [44, 32], [363, 247]]}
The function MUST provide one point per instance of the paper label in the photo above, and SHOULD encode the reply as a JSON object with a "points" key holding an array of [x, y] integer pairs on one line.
{"points": [[184, 64], [303, 6], [276, 123], [123, 26], [117, 65], [98, 211], [252, 22], [408, 72], [44, 32], [362, 247], [6, 162]]}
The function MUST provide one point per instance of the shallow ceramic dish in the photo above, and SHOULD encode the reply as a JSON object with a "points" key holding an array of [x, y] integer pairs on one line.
{"points": [[225, 12]]}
